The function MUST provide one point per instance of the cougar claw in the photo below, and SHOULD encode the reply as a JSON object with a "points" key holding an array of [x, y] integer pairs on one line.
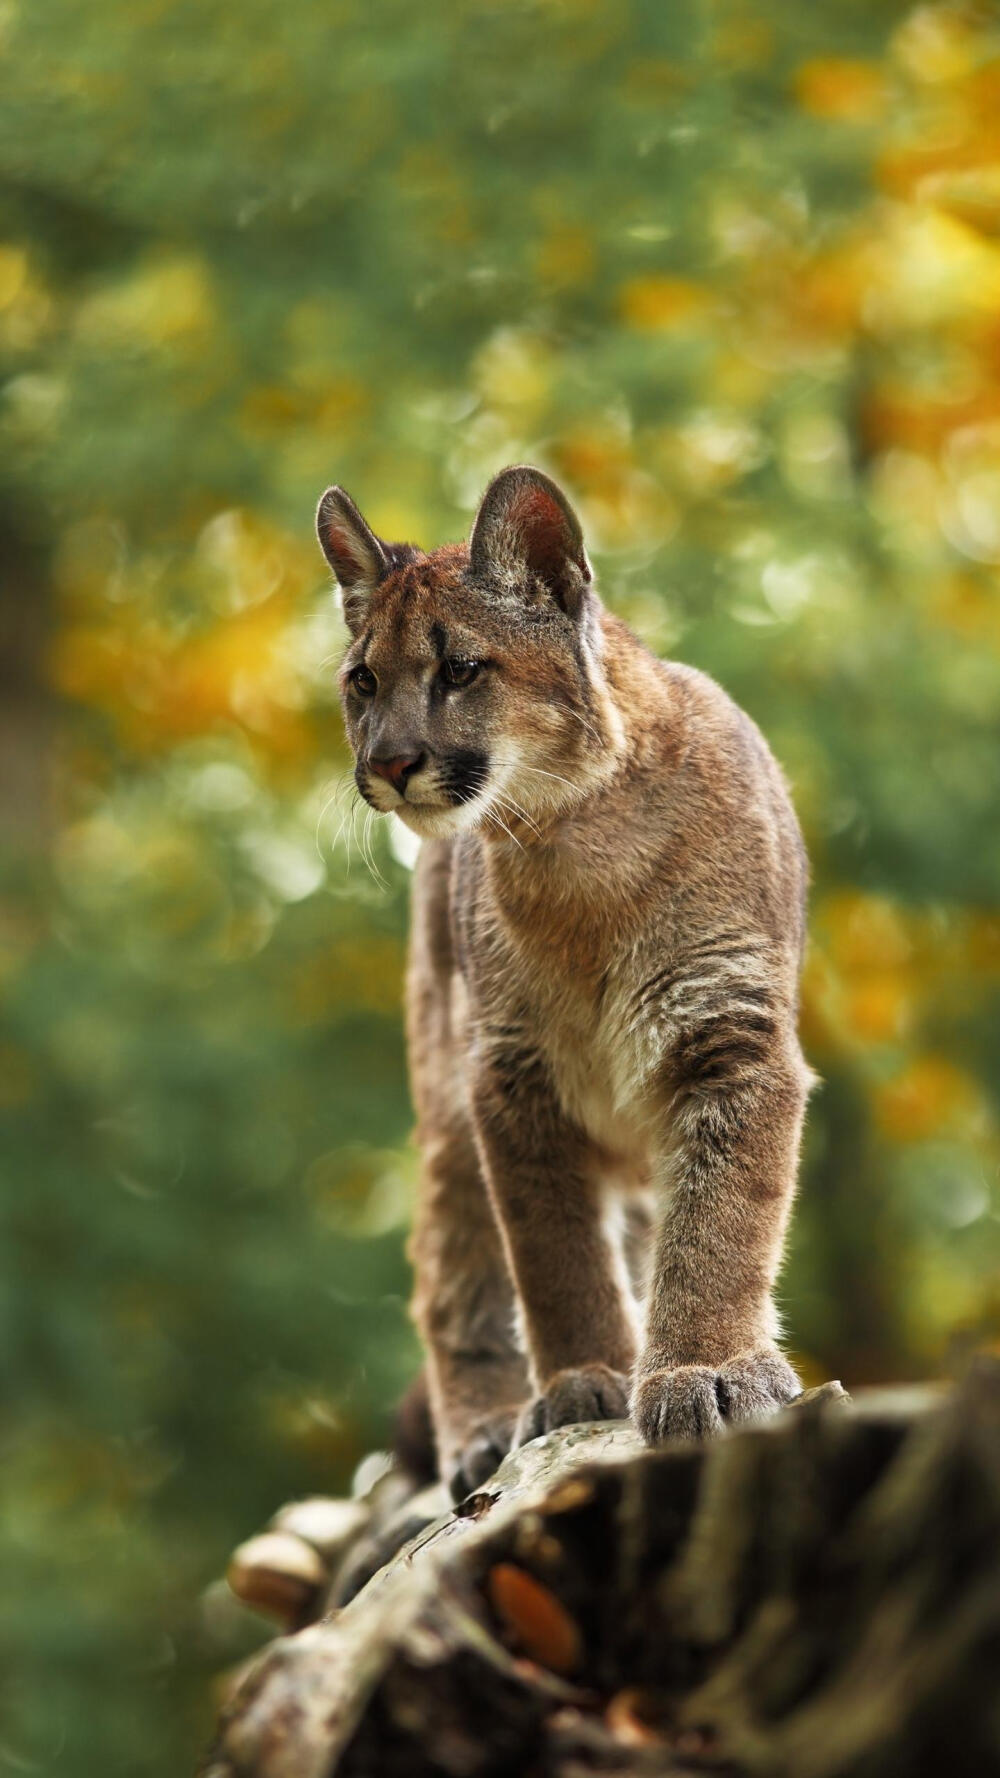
{"points": [[485, 1451], [595, 1392], [694, 1401]]}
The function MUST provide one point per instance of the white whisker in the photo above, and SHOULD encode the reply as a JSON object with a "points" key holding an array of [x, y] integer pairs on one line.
{"points": [[491, 815], [509, 803], [333, 798], [352, 831], [369, 852], [554, 775], [344, 819]]}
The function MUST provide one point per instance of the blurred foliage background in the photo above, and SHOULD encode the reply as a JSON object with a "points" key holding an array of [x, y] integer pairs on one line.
{"points": [[730, 271]]}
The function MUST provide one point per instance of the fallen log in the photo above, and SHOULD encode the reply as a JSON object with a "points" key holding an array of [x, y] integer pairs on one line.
{"points": [[817, 1595]]}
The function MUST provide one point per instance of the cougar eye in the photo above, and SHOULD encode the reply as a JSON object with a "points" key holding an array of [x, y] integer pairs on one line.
{"points": [[364, 681], [457, 673]]}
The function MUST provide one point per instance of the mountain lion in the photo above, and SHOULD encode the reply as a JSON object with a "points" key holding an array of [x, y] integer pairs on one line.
{"points": [[608, 913]]}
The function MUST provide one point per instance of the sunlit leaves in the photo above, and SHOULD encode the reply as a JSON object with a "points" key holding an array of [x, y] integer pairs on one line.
{"points": [[929, 1097], [166, 304]]}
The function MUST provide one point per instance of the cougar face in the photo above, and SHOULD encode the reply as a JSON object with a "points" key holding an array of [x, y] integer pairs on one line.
{"points": [[471, 688]]}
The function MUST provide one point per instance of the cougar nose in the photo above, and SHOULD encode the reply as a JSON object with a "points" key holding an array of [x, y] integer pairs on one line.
{"points": [[397, 770]]}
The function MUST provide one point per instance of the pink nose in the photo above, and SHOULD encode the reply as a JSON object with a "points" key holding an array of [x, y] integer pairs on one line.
{"points": [[397, 770]]}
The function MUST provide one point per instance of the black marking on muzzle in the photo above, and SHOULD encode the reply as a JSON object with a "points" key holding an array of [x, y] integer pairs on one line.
{"points": [[462, 775]]}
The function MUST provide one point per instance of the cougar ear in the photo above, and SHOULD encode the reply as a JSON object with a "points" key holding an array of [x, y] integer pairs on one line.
{"points": [[353, 551], [526, 524]]}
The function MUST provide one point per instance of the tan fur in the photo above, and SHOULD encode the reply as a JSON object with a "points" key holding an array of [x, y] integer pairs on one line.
{"points": [[607, 935]]}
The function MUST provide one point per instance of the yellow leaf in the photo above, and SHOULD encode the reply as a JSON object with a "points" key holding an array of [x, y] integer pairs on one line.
{"points": [[935, 44], [658, 303], [931, 1095], [879, 1008], [841, 88], [932, 270], [513, 372], [865, 931], [167, 301], [972, 194]]}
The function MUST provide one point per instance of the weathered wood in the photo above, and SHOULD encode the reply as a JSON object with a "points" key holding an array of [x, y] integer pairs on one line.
{"points": [[815, 1596]]}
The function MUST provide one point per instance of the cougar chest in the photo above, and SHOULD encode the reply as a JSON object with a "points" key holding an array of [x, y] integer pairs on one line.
{"points": [[563, 931], [576, 1039]]}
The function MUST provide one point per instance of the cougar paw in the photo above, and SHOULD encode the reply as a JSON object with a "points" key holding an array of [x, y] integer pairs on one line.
{"points": [[595, 1392], [487, 1447], [694, 1401]]}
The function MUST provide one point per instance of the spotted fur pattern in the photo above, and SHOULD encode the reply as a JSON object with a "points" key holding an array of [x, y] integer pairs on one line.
{"points": [[607, 936]]}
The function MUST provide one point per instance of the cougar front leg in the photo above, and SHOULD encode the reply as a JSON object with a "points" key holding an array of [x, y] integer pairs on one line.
{"points": [[571, 1282], [738, 1092], [464, 1308]]}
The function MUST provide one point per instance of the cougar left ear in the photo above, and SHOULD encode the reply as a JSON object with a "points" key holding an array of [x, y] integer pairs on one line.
{"points": [[526, 523], [357, 557]]}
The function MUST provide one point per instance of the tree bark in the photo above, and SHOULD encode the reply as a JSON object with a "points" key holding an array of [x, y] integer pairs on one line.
{"points": [[817, 1595]]}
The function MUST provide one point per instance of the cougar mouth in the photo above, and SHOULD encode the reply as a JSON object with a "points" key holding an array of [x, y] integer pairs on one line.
{"points": [[439, 800]]}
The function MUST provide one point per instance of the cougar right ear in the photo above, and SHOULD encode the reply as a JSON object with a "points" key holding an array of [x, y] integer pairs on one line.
{"points": [[526, 526], [353, 551]]}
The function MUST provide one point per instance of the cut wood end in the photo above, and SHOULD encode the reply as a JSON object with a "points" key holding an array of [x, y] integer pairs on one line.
{"points": [[277, 1574], [329, 1525]]}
